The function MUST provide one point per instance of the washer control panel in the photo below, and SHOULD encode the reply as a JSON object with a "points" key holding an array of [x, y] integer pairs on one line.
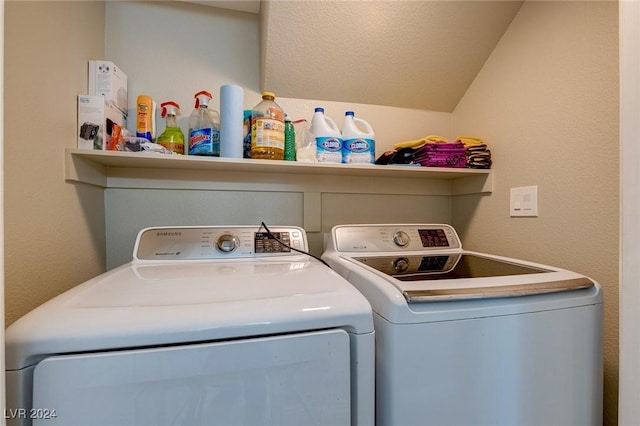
{"points": [[217, 242], [394, 238]]}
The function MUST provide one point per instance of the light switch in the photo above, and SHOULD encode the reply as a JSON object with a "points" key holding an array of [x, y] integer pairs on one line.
{"points": [[524, 201]]}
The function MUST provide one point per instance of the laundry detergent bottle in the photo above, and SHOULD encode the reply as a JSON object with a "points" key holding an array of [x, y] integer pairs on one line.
{"points": [[327, 136], [204, 127], [358, 145], [172, 138]]}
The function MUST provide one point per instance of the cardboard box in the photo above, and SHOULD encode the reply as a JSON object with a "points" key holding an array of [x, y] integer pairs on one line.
{"points": [[98, 121], [108, 80]]}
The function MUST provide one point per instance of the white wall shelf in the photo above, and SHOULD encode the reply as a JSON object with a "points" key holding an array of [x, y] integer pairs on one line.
{"points": [[113, 169], [156, 171]]}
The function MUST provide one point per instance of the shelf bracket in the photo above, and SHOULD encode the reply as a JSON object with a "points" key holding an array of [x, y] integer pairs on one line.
{"points": [[80, 169], [478, 184]]}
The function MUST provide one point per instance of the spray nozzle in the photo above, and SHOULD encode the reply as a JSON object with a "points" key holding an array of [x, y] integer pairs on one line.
{"points": [[202, 98], [170, 108]]}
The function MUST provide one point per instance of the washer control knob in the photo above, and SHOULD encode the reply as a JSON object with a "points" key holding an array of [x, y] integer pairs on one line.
{"points": [[227, 243], [401, 239], [400, 264]]}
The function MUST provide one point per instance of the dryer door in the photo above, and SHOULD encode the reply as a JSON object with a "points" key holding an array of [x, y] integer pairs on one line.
{"points": [[282, 380]]}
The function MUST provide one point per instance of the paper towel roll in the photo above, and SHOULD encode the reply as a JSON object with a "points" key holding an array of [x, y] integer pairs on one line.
{"points": [[231, 120]]}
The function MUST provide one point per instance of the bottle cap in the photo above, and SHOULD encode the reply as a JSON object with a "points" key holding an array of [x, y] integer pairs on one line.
{"points": [[169, 107], [318, 109], [202, 98], [268, 95], [349, 113], [144, 99]]}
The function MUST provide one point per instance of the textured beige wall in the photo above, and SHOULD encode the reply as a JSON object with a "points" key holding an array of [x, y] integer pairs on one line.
{"points": [[547, 103], [54, 231], [232, 59]]}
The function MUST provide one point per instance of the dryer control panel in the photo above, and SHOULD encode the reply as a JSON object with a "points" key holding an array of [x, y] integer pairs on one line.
{"points": [[217, 242], [395, 238]]}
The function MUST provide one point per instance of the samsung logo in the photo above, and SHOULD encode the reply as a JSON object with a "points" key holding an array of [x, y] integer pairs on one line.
{"points": [[168, 234]]}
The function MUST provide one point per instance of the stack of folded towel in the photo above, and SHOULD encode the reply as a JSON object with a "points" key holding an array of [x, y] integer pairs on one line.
{"points": [[430, 151], [436, 151], [442, 154], [478, 155]]}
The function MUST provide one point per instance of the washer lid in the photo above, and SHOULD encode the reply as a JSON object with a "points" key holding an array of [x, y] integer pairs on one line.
{"points": [[445, 266], [149, 304], [465, 275]]}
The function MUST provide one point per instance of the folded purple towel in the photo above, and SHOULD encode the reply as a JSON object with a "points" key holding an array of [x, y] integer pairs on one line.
{"points": [[445, 147], [453, 163], [429, 155], [451, 160]]}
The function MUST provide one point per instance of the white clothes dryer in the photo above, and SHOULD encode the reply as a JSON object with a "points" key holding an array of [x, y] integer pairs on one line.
{"points": [[205, 326], [465, 338]]}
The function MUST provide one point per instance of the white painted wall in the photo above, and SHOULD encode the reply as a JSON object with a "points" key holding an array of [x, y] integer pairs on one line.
{"points": [[2, 299], [629, 409]]}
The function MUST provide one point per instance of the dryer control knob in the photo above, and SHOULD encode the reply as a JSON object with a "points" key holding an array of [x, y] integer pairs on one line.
{"points": [[400, 265], [227, 243], [401, 239]]}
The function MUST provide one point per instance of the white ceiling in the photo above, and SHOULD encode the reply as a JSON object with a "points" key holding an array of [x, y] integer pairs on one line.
{"points": [[420, 54]]}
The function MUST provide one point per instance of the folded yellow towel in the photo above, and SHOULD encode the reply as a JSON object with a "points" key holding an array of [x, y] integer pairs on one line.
{"points": [[469, 140], [409, 144], [436, 138], [419, 142]]}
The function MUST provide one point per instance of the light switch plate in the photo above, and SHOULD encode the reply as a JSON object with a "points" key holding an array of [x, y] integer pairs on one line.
{"points": [[524, 202]]}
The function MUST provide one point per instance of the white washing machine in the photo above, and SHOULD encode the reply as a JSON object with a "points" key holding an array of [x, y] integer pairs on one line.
{"points": [[465, 338], [206, 326]]}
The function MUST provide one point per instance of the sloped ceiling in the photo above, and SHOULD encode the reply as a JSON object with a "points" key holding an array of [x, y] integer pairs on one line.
{"points": [[250, 6], [420, 54]]}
